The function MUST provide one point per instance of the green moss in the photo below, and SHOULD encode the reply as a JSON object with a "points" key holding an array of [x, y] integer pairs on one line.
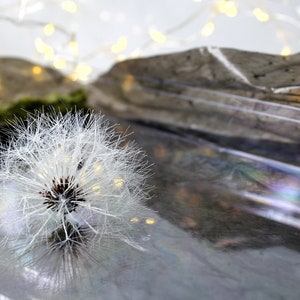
{"points": [[62, 103]]}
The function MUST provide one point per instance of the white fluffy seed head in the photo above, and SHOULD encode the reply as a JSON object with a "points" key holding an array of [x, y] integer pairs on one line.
{"points": [[69, 188]]}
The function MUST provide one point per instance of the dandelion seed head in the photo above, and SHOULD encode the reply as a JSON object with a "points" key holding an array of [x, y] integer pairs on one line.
{"points": [[68, 187]]}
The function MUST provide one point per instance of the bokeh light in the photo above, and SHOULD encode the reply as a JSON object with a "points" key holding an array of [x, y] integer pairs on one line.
{"points": [[56, 33]]}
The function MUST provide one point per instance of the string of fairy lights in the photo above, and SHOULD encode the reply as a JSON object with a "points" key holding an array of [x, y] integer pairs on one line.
{"points": [[57, 44]]}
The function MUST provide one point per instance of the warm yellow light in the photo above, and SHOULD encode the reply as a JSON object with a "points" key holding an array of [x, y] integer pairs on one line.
{"points": [[96, 189], [118, 182], [228, 8], [73, 47], [40, 175], [49, 53], [150, 221], [127, 83], [36, 70], [134, 219], [97, 167], [44, 49], [207, 29], [73, 76], [120, 45], [121, 57], [69, 6], [84, 69], [49, 29], [261, 15], [157, 36], [59, 63], [40, 45], [286, 51], [81, 72]]}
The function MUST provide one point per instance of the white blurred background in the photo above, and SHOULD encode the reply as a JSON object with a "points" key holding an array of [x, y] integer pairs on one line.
{"points": [[83, 38]]}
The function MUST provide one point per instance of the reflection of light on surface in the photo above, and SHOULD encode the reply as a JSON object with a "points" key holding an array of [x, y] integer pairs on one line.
{"points": [[68, 158], [120, 45], [274, 207], [207, 29], [207, 151], [96, 189], [36, 70], [288, 189], [188, 223], [286, 50], [150, 221], [160, 151], [97, 167], [181, 194], [261, 15], [134, 220], [127, 83], [49, 29], [118, 182], [228, 8], [157, 36], [69, 6]]}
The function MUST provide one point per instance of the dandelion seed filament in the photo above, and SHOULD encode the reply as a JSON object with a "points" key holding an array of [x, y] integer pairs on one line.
{"points": [[68, 237]]}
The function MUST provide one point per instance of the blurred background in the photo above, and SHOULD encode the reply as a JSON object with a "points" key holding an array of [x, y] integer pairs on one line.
{"points": [[83, 38]]}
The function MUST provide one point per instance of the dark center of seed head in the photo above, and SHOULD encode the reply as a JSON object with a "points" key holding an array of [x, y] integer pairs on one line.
{"points": [[64, 194]]}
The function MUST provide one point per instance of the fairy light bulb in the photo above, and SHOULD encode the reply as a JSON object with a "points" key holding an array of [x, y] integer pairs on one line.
{"points": [[69, 6], [157, 36], [207, 29], [286, 51], [261, 15], [49, 29], [227, 7], [120, 45]]}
